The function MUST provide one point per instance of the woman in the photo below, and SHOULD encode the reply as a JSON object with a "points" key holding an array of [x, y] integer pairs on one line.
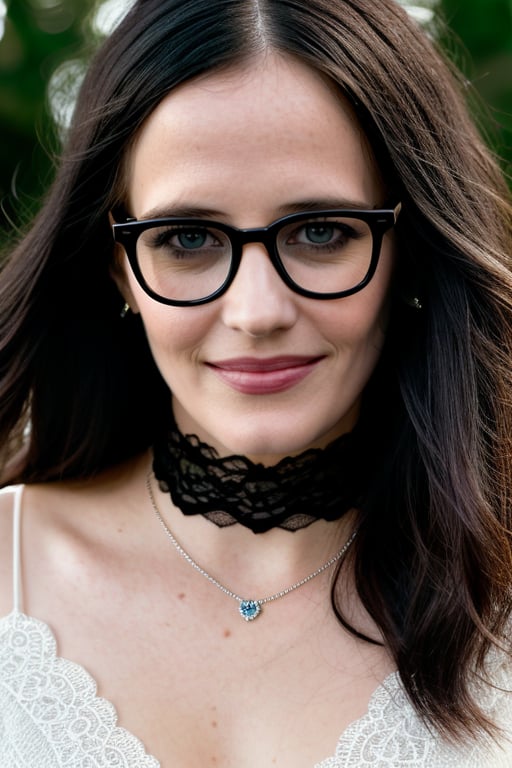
{"points": [[262, 332]]}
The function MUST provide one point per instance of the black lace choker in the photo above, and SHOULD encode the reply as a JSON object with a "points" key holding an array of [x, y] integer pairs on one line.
{"points": [[316, 485]]}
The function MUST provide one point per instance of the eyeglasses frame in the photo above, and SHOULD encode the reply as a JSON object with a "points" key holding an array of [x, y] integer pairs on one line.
{"points": [[126, 233]]}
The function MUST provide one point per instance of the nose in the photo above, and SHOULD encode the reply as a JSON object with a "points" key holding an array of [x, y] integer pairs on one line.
{"points": [[258, 302]]}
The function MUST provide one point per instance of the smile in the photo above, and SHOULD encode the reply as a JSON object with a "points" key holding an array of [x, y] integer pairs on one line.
{"points": [[256, 376]]}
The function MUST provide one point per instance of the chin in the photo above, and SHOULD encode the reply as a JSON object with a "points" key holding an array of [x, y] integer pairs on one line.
{"points": [[267, 437], [270, 448]]}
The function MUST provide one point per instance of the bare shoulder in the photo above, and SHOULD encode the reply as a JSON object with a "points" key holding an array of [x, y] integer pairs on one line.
{"points": [[59, 522]]}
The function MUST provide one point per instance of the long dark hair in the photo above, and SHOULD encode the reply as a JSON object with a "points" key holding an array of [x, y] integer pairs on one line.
{"points": [[433, 557]]}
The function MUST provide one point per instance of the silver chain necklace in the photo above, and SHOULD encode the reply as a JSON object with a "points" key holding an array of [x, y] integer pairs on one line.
{"points": [[249, 609]]}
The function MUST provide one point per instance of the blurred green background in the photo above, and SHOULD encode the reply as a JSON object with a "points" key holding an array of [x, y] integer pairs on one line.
{"points": [[45, 44]]}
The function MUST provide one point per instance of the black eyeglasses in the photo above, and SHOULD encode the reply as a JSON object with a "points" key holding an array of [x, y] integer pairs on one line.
{"points": [[321, 254]]}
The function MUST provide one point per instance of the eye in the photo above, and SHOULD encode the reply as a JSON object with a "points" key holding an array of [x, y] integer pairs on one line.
{"points": [[320, 233], [185, 238], [193, 238]]}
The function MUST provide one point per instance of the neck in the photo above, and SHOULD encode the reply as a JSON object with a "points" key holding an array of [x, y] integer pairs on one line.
{"points": [[253, 564]]}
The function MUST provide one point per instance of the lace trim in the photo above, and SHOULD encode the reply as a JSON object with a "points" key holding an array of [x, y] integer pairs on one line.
{"points": [[392, 735], [317, 484], [51, 715]]}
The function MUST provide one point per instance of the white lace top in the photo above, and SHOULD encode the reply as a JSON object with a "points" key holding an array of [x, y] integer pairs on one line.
{"points": [[51, 716]]}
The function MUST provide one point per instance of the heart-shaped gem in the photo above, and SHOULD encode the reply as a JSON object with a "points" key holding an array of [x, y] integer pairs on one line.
{"points": [[250, 609]]}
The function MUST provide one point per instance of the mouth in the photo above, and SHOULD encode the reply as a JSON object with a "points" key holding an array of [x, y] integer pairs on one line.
{"points": [[262, 376]]}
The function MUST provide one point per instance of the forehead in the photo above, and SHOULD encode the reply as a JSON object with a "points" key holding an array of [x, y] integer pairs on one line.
{"points": [[272, 122]]}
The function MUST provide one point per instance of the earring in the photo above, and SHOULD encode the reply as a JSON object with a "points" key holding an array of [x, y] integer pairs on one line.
{"points": [[125, 310], [414, 302]]}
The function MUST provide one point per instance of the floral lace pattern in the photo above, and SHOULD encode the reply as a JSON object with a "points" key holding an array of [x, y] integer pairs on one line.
{"points": [[50, 715]]}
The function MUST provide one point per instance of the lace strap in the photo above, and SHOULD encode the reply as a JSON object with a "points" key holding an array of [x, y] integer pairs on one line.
{"points": [[16, 549]]}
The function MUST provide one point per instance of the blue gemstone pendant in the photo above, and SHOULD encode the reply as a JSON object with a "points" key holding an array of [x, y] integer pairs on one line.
{"points": [[250, 609]]}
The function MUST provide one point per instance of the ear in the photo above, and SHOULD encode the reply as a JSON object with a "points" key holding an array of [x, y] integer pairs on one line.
{"points": [[119, 273]]}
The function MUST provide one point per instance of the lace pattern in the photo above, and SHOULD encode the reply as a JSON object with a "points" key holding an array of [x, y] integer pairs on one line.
{"points": [[50, 714], [391, 734], [317, 484]]}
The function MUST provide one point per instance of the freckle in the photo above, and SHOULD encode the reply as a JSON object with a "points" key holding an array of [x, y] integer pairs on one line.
{"points": [[181, 596], [214, 723], [227, 633], [119, 530]]}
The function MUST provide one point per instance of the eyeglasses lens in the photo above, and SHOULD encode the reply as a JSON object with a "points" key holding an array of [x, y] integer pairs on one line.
{"points": [[326, 255]]}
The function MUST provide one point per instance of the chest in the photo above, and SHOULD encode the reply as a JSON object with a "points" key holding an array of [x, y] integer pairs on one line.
{"points": [[49, 711], [196, 684], [210, 694], [199, 686]]}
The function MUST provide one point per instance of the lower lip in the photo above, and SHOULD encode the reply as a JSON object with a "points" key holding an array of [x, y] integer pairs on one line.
{"points": [[264, 382]]}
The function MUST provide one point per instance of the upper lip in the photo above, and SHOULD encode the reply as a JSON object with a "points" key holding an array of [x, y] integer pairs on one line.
{"points": [[258, 364]]}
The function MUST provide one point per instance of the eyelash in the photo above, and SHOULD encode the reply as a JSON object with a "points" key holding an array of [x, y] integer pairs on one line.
{"points": [[344, 233], [163, 239]]}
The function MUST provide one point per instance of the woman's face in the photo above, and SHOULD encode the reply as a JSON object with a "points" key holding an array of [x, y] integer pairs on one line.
{"points": [[260, 371]]}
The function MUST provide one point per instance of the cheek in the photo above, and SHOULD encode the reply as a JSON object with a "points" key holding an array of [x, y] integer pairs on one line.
{"points": [[173, 332], [360, 321], [358, 334], [375, 309], [357, 330]]}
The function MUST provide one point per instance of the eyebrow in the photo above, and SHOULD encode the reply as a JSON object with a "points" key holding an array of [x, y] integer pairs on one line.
{"points": [[181, 212], [298, 206], [324, 204]]}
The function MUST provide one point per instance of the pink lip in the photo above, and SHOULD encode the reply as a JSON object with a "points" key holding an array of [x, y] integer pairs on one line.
{"points": [[263, 376]]}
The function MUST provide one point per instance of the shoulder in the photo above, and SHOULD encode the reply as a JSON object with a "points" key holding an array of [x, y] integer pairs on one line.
{"points": [[64, 526]]}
